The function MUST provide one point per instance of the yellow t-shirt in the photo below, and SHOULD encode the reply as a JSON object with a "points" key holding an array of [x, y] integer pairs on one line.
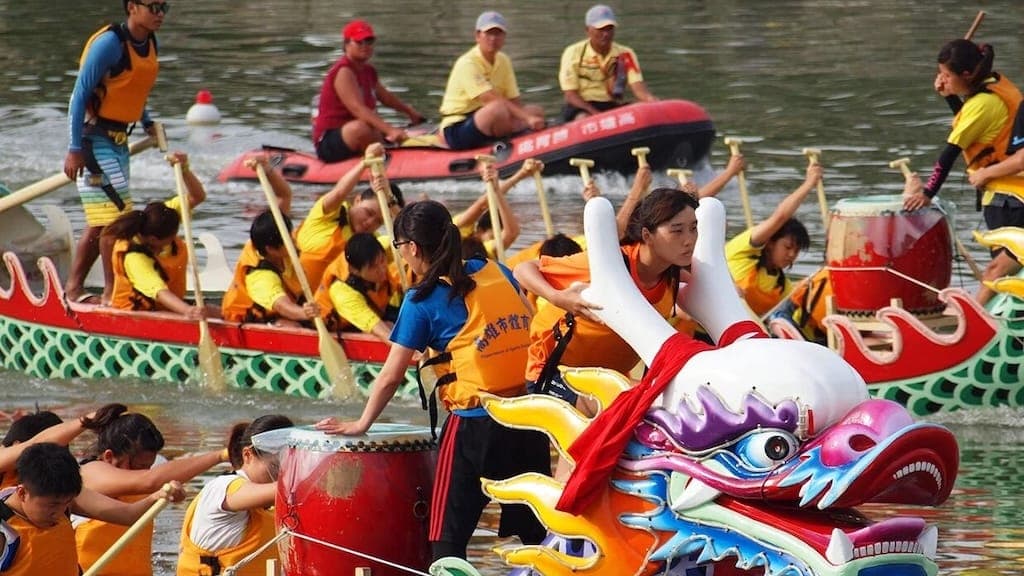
{"points": [[318, 227], [588, 73], [980, 120], [471, 76], [264, 287], [140, 268], [352, 305], [760, 289]]}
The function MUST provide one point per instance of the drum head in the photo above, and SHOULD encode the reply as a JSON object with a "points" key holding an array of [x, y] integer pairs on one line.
{"points": [[382, 437]]}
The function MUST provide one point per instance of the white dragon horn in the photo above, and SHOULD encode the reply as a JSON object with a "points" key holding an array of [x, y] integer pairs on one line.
{"points": [[624, 309], [711, 297]]}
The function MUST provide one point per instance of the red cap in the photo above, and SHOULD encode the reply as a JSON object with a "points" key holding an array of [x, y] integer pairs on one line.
{"points": [[204, 97], [357, 30]]}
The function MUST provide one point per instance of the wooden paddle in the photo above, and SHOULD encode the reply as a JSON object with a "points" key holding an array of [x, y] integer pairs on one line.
{"points": [[904, 165], [54, 182], [542, 199], [336, 364], [130, 534], [734, 149], [492, 207], [814, 157], [376, 165], [209, 354], [584, 166]]}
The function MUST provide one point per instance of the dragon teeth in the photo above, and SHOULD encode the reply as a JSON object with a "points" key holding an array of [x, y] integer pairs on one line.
{"points": [[920, 467], [840, 548]]}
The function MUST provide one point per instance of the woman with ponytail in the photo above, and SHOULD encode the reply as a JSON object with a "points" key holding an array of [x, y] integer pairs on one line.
{"points": [[985, 104], [472, 322], [150, 260], [230, 518], [120, 464]]}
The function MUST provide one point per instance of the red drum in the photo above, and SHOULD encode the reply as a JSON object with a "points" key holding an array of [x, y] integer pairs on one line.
{"points": [[874, 232], [368, 494]]}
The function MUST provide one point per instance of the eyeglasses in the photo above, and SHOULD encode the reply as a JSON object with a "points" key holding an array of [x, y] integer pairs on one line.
{"points": [[155, 8], [397, 243]]}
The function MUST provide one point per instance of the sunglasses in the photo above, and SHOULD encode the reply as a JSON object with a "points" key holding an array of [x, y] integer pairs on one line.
{"points": [[365, 41], [155, 8]]}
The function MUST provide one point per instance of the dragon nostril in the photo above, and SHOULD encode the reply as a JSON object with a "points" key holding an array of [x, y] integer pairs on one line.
{"points": [[861, 443]]}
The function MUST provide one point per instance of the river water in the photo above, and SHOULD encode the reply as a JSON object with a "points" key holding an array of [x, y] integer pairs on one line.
{"points": [[851, 77]]}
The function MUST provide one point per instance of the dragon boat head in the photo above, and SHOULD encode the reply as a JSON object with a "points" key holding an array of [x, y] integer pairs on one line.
{"points": [[752, 459], [765, 446]]}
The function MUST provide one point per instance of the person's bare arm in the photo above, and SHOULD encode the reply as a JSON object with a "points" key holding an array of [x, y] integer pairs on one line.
{"points": [[573, 98], [641, 183], [282, 190], [641, 91], [111, 481], [762, 231], [736, 165], [342, 188], [1007, 167], [389, 99], [251, 495], [391, 375], [346, 87]]}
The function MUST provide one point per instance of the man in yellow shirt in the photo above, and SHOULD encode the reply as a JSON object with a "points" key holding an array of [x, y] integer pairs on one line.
{"points": [[595, 71], [481, 101]]}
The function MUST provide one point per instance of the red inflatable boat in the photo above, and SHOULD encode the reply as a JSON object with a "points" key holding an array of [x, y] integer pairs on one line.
{"points": [[678, 132]]}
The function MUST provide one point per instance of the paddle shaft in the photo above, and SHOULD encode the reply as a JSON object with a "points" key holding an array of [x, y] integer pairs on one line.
{"points": [[974, 25], [542, 199], [734, 150], [47, 185], [814, 157], [209, 353], [376, 165], [127, 537], [331, 352], [492, 208]]}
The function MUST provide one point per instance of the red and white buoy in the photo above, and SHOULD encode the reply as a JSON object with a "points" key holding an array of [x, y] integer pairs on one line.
{"points": [[203, 111]]}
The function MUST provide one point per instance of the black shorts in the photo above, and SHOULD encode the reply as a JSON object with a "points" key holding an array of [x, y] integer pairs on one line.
{"points": [[569, 111], [1003, 211], [464, 135], [332, 147], [475, 448]]}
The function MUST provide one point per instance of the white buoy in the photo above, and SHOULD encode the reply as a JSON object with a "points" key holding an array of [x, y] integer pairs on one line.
{"points": [[203, 111]]}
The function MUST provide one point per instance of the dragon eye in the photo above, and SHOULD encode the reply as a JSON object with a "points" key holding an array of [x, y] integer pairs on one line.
{"points": [[766, 449]]}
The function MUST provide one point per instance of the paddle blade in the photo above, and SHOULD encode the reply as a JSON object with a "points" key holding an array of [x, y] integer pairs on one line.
{"points": [[339, 372], [210, 362]]}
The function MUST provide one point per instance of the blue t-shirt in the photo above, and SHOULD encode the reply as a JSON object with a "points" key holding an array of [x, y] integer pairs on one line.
{"points": [[436, 320]]}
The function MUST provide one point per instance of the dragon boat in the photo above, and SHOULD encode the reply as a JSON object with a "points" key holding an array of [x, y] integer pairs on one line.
{"points": [[748, 457], [895, 319], [678, 132], [44, 335]]}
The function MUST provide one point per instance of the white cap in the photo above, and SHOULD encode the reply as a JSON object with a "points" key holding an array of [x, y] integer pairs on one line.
{"points": [[489, 20], [600, 16]]}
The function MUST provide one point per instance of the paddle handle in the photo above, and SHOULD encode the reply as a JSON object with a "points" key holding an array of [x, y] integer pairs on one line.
{"points": [[542, 198], [492, 208], [376, 165], [51, 183], [128, 536]]}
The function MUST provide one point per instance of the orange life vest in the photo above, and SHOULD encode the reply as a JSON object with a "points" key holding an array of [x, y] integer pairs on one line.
{"points": [[43, 551], [377, 296], [981, 154], [196, 561], [759, 300], [592, 344], [121, 94], [238, 306], [171, 264], [488, 353], [94, 538]]}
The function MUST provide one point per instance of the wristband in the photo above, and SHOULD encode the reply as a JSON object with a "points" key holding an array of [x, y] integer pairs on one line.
{"points": [[225, 456]]}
